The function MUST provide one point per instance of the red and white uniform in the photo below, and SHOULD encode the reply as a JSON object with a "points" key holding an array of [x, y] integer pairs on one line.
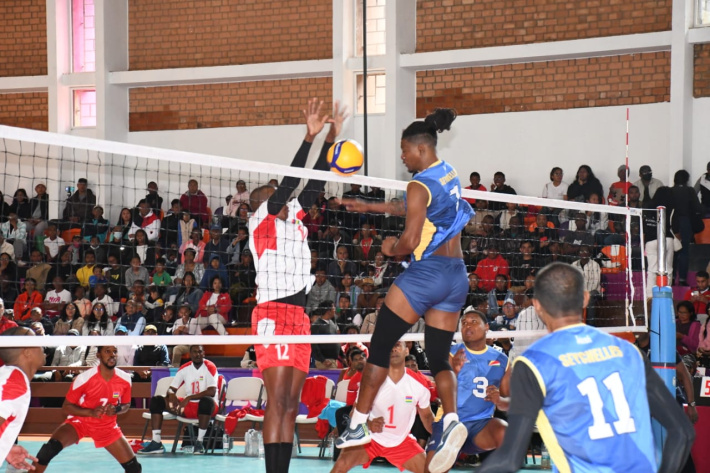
{"points": [[14, 402], [90, 390], [196, 380], [283, 268], [151, 226], [397, 403], [54, 297]]}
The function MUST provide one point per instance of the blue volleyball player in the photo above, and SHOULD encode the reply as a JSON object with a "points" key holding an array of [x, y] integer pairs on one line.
{"points": [[591, 394], [434, 286], [483, 385]]}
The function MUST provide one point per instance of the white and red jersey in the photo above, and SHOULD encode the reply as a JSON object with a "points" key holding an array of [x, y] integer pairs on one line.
{"points": [[196, 380], [281, 254], [54, 297], [397, 404], [90, 390], [14, 402]]}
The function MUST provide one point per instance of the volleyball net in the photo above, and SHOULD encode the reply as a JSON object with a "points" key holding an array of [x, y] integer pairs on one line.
{"points": [[112, 223]]}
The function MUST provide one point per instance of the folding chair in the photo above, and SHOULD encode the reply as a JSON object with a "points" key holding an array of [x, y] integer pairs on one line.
{"points": [[243, 389], [192, 423], [161, 389], [341, 390], [302, 419]]}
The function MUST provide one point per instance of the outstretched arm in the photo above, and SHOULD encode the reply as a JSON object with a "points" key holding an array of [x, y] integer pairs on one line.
{"points": [[361, 206]]}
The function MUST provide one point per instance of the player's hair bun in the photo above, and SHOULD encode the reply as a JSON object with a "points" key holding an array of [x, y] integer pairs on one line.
{"points": [[441, 119]]}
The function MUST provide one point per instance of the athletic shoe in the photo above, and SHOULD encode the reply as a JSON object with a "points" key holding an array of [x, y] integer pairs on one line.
{"points": [[448, 450], [152, 448], [199, 448], [354, 437]]}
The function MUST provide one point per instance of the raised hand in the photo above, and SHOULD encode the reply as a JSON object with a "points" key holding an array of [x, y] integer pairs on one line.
{"points": [[336, 123], [314, 122]]}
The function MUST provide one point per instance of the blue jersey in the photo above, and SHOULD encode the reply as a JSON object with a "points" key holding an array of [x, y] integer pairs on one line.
{"points": [[595, 415], [480, 370], [446, 214]]}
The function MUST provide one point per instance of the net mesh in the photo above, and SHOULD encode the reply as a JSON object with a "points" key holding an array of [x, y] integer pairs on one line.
{"points": [[62, 230]]}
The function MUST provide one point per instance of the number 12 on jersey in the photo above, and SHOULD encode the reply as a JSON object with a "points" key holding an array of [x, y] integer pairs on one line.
{"points": [[600, 429]]}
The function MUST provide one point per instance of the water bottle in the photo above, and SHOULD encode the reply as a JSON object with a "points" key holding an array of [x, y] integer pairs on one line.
{"points": [[294, 450], [545, 458], [249, 443], [331, 448], [225, 444], [260, 444]]}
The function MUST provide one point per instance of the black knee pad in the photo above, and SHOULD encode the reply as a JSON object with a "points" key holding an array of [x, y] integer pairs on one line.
{"points": [[205, 407], [157, 404], [132, 466], [388, 330], [438, 346], [48, 451]]}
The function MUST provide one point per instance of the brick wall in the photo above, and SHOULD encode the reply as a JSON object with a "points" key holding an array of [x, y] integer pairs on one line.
{"points": [[193, 33], [701, 76], [28, 110], [23, 38], [461, 24], [225, 105], [553, 85]]}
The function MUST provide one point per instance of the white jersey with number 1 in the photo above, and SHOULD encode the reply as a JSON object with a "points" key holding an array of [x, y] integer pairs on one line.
{"points": [[14, 402], [397, 404]]}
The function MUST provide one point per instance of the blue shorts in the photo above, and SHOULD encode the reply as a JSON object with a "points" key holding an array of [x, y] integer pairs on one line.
{"points": [[437, 282], [473, 427]]}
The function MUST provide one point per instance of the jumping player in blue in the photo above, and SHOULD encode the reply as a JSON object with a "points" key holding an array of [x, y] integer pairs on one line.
{"points": [[591, 394], [483, 377], [434, 286]]}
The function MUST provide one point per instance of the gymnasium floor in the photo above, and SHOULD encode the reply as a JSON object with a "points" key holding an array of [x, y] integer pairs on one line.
{"points": [[84, 458]]}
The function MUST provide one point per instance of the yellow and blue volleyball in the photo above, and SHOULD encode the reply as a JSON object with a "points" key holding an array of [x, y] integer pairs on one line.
{"points": [[345, 157]]}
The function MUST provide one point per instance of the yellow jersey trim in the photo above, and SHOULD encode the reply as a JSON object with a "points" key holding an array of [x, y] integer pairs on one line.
{"points": [[428, 231], [567, 327], [427, 191], [480, 352]]}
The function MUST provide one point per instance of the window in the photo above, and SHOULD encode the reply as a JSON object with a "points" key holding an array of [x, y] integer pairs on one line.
{"points": [[375, 27], [375, 93], [702, 17], [84, 107], [83, 36]]}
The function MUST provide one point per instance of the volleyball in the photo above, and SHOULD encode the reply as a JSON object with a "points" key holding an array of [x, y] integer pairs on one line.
{"points": [[345, 157]]}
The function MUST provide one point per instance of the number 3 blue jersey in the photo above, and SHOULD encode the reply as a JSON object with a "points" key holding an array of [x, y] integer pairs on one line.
{"points": [[481, 369], [595, 416], [447, 213]]}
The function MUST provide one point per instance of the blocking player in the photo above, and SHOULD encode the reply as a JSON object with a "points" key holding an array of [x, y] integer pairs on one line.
{"points": [[279, 241], [483, 385], [434, 286], [200, 378], [94, 400], [591, 394], [403, 394], [20, 365]]}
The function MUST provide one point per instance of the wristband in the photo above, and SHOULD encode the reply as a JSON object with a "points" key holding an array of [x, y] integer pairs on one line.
{"points": [[119, 408], [691, 404]]}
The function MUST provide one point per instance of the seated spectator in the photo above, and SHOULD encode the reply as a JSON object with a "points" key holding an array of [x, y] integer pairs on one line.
{"points": [[579, 237], [321, 291], [100, 251], [6, 248], [96, 226], [687, 328], [349, 289], [53, 244], [27, 301], [82, 302], [133, 319], [473, 227], [597, 221], [138, 294], [97, 278], [240, 220], [648, 185], [523, 265], [592, 280], [144, 249], [368, 324], [8, 292], [167, 320], [155, 202], [214, 307], [618, 190], [487, 233], [150, 223], [344, 315], [395, 267], [333, 237], [170, 226], [186, 225], [366, 247], [123, 227], [508, 318], [475, 179], [64, 270], [355, 362], [239, 197], [379, 268], [38, 270], [220, 211], [410, 361], [237, 246], [471, 254], [392, 225], [500, 187], [556, 188], [490, 267], [39, 208], [699, 295], [116, 277], [101, 296], [79, 205], [36, 316], [419, 355], [340, 266], [69, 319], [153, 304], [149, 355], [476, 296], [216, 246], [367, 299], [14, 231], [91, 357], [243, 278], [633, 199], [322, 323], [189, 265], [125, 354], [98, 320], [195, 202], [201, 376], [56, 299], [498, 295], [5, 322], [136, 272], [511, 210], [511, 238], [68, 356], [196, 244], [585, 184], [171, 261], [185, 324], [189, 293], [85, 272], [249, 359], [161, 278], [313, 221], [215, 269]]}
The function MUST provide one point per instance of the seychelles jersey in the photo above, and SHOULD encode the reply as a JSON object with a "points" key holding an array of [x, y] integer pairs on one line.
{"points": [[90, 390], [595, 415], [447, 213], [14, 402], [281, 255], [196, 380], [482, 369]]}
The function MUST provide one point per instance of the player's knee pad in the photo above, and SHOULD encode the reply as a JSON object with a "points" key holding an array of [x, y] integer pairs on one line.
{"points": [[205, 407], [48, 451], [132, 466], [157, 405], [438, 344], [389, 329]]}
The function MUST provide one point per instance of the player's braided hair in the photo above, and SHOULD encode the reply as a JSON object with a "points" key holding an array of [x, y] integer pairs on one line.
{"points": [[436, 122]]}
